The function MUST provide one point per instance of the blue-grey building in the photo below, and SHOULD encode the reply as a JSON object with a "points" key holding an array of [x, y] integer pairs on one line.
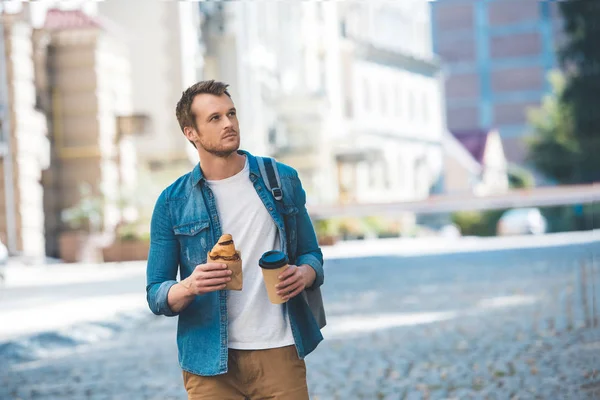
{"points": [[497, 55]]}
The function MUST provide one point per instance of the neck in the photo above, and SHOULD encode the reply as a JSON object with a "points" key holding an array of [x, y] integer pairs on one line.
{"points": [[215, 168]]}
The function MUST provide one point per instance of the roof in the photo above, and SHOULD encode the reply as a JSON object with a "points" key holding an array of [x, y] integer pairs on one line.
{"points": [[70, 19], [453, 148], [474, 141]]}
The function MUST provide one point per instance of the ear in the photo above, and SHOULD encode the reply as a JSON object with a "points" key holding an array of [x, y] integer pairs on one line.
{"points": [[190, 133]]}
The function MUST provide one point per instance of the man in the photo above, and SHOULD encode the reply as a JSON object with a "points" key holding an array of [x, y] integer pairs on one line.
{"points": [[232, 344]]}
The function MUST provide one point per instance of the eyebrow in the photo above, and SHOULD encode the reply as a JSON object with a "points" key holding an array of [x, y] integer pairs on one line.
{"points": [[217, 113]]}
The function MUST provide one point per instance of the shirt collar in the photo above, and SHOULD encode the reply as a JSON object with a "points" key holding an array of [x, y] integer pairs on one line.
{"points": [[198, 176]]}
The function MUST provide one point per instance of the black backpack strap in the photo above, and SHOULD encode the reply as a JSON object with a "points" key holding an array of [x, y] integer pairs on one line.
{"points": [[268, 170]]}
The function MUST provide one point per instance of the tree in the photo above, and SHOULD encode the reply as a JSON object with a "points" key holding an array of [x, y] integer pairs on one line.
{"points": [[567, 140], [554, 149], [580, 58]]}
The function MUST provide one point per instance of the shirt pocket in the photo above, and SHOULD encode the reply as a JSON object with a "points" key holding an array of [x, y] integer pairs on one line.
{"points": [[194, 241]]}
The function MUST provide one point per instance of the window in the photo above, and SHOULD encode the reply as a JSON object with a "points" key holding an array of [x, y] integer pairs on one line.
{"points": [[320, 12], [383, 99], [401, 173], [322, 73], [398, 101], [378, 175], [366, 95], [411, 106], [425, 106], [373, 175]]}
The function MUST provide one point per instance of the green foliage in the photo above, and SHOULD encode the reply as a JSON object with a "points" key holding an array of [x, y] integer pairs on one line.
{"points": [[572, 218], [554, 149], [520, 178], [567, 127], [357, 228], [133, 231], [477, 223], [87, 214], [326, 227]]}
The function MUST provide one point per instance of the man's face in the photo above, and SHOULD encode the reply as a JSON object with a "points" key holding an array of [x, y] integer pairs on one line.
{"points": [[217, 127]]}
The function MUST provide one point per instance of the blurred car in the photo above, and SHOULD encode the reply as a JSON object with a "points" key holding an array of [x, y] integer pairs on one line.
{"points": [[450, 231], [521, 221]]}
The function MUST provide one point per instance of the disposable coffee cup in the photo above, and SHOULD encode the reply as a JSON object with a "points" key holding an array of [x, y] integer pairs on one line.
{"points": [[272, 264]]}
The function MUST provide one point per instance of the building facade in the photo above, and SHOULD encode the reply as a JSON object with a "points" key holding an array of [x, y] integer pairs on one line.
{"points": [[327, 88], [164, 51], [496, 55], [84, 87], [25, 137]]}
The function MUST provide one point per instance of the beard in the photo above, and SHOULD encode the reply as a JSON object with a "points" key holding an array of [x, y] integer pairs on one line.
{"points": [[221, 150], [220, 153]]}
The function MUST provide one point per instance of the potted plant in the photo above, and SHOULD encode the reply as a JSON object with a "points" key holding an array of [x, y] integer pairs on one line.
{"points": [[130, 244], [352, 228], [81, 242], [327, 231]]}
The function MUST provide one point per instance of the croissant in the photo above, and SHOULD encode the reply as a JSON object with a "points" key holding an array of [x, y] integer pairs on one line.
{"points": [[224, 249], [225, 252]]}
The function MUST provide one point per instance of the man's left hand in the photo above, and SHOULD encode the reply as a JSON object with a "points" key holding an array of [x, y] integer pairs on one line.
{"points": [[294, 280]]}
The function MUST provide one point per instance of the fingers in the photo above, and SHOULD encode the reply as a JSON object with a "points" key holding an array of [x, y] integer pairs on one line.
{"points": [[214, 274], [293, 294], [292, 280], [210, 277], [292, 291], [210, 285], [211, 267], [289, 271], [213, 288], [214, 282]]}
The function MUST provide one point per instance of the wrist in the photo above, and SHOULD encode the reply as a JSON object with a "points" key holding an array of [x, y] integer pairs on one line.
{"points": [[309, 275], [187, 285]]}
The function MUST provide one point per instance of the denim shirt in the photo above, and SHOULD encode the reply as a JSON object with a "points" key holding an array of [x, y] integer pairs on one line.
{"points": [[185, 226]]}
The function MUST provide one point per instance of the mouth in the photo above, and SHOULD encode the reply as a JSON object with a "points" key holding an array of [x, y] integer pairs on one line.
{"points": [[230, 135]]}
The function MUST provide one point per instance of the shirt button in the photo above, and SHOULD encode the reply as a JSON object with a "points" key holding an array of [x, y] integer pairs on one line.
{"points": [[270, 208], [259, 188]]}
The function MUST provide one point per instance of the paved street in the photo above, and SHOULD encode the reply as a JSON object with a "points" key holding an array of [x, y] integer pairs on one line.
{"points": [[503, 324]]}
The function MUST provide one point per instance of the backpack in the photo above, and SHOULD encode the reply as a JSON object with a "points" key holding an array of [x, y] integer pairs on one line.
{"points": [[270, 175]]}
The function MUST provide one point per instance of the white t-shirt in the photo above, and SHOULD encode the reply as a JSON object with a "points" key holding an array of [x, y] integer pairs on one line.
{"points": [[254, 322]]}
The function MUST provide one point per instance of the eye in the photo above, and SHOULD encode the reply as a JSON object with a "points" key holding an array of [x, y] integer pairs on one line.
{"points": [[232, 113], [214, 118]]}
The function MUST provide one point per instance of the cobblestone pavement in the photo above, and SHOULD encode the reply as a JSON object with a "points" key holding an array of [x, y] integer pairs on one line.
{"points": [[495, 325]]}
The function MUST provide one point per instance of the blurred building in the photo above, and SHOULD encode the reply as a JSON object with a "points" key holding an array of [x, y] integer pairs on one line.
{"points": [[164, 51], [25, 144], [497, 55], [241, 46], [474, 163], [84, 85], [328, 88]]}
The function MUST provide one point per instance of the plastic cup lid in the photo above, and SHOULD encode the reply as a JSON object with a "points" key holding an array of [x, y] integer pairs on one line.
{"points": [[273, 259]]}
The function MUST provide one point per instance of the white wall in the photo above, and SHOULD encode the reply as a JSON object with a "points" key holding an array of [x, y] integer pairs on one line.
{"points": [[397, 100], [162, 39], [402, 26]]}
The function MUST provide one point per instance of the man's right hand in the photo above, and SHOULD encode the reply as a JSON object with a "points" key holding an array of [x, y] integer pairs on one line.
{"points": [[207, 278]]}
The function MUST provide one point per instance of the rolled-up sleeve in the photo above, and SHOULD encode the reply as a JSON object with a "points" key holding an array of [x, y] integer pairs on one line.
{"points": [[163, 259], [309, 252]]}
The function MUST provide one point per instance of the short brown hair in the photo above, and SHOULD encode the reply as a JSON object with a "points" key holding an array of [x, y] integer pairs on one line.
{"points": [[183, 111]]}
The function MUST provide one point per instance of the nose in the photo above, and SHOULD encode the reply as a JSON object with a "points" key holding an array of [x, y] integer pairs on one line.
{"points": [[227, 122]]}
